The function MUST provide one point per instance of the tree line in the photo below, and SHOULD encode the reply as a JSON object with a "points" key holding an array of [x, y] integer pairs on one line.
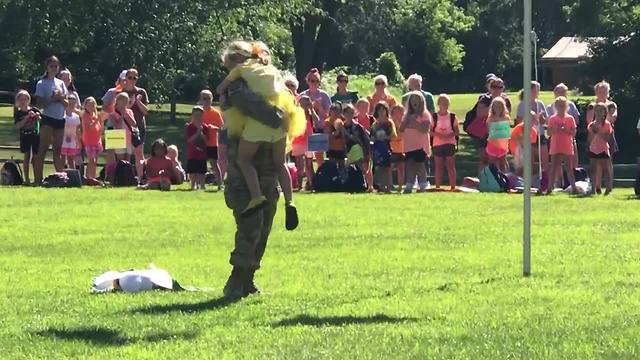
{"points": [[176, 43]]}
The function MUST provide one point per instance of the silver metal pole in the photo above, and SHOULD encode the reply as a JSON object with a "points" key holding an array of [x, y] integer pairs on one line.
{"points": [[526, 60]]}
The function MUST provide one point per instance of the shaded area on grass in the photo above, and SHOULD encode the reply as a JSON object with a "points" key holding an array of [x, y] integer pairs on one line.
{"points": [[99, 336], [308, 320], [213, 304]]}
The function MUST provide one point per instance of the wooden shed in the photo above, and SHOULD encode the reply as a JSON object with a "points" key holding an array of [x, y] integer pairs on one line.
{"points": [[560, 64]]}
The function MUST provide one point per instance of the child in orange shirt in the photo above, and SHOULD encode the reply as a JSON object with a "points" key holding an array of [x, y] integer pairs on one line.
{"points": [[212, 118], [398, 159], [334, 127], [600, 132], [562, 128]]}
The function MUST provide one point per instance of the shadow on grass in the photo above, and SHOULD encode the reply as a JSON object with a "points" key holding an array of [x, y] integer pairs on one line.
{"points": [[213, 304], [308, 320], [107, 337], [632, 197]]}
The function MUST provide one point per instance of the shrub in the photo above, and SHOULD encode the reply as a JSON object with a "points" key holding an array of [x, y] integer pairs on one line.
{"points": [[388, 65]]}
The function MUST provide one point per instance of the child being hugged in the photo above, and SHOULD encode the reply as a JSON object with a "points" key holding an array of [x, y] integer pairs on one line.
{"points": [[600, 132], [562, 128], [382, 132], [446, 133], [415, 129], [499, 124], [252, 63], [92, 128], [72, 132], [26, 119]]}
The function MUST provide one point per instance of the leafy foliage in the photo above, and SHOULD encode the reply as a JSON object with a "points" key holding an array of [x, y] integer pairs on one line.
{"points": [[388, 66]]}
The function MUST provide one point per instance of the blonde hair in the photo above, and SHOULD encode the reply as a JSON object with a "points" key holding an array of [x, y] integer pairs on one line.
{"points": [[203, 93], [173, 148], [90, 99], [240, 51], [503, 104], [536, 85], [414, 77], [559, 87], [22, 93], [602, 84], [382, 78], [444, 97], [122, 96], [362, 101], [561, 100]]}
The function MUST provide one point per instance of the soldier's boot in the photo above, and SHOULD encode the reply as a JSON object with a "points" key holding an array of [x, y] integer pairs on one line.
{"points": [[250, 286], [234, 288]]}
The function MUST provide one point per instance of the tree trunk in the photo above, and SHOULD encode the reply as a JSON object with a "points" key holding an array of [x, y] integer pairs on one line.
{"points": [[173, 108], [303, 36]]}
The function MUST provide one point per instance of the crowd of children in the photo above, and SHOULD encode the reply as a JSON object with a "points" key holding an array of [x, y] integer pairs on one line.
{"points": [[377, 134]]}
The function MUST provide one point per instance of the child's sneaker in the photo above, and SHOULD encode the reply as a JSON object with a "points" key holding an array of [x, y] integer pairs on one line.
{"points": [[291, 217], [254, 205]]}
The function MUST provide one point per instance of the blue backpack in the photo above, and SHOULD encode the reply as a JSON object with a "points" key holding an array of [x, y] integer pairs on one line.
{"points": [[493, 180]]}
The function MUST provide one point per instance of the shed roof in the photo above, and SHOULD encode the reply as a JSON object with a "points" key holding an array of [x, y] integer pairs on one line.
{"points": [[570, 48]]}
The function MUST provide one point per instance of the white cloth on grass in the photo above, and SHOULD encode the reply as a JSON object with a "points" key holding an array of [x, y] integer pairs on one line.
{"points": [[133, 280]]}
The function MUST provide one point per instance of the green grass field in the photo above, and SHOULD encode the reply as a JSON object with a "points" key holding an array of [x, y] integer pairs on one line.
{"points": [[365, 277]]}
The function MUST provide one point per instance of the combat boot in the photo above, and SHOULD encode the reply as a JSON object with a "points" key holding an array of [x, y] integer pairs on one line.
{"points": [[250, 287], [234, 288]]}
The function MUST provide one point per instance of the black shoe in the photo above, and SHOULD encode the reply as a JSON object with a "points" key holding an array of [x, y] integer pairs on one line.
{"points": [[291, 217], [250, 287], [599, 191], [234, 288]]}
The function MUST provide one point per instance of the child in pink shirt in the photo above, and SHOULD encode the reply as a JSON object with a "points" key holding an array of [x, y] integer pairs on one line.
{"points": [[562, 128], [445, 134], [414, 129], [600, 132]]}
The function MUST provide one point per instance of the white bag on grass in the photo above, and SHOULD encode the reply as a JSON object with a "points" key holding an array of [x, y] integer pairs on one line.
{"points": [[133, 281]]}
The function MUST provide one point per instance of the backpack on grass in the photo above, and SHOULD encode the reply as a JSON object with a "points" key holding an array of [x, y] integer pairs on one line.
{"points": [[124, 174], [11, 174], [56, 180], [493, 180]]}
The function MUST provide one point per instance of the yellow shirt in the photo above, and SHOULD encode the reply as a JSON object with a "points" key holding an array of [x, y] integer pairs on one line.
{"points": [[264, 80]]}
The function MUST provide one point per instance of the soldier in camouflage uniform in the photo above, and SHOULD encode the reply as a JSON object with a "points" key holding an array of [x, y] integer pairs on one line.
{"points": [[252, 229]]}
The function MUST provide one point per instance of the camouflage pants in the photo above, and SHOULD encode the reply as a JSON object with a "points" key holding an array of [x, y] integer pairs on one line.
{"points": [[252, 232]]}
